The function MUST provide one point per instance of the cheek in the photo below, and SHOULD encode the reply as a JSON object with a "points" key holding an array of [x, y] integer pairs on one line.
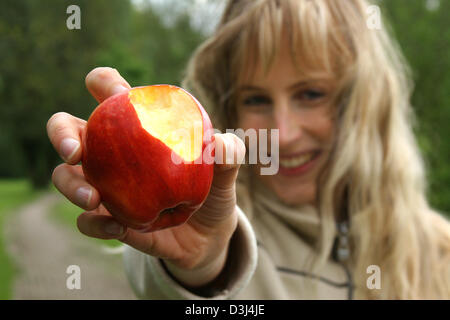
{"points": [[324, 130], [321, 127], [253, 121]]}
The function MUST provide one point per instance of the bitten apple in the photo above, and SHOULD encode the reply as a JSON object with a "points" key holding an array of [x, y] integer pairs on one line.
{"points": [[149, 152]]}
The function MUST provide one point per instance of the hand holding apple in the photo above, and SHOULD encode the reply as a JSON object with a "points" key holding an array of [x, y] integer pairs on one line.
{"points": [[193, 246], [149, 151]]}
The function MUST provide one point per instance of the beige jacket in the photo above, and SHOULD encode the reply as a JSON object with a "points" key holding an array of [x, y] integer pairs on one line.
{"points": [[267, 259]]}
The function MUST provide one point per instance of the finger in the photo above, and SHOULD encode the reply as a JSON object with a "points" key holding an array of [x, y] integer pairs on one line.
{"points": [[229, 155], [97, 224], [153, 243], [70, 181], [64, 132], [100, 224], [104, 82]]}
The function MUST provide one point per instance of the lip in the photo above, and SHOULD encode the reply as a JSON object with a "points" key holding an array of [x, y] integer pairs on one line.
{"points": [[297, 154], [300, 170]]}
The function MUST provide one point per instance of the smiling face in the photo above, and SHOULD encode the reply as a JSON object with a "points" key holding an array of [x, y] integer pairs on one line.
{"points": [[300, 106]]}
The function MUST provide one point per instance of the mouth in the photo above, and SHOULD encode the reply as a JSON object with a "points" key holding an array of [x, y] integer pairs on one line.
{"points": [[298, 164]]}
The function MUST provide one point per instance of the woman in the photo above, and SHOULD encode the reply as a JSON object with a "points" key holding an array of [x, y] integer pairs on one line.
{"points": [[349, 196]]}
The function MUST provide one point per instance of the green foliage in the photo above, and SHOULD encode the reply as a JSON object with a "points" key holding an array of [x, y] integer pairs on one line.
{"points": [[43, 65], [424, 37]]}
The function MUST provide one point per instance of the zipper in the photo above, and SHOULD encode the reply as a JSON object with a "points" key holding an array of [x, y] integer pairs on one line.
{"points": [[342, 249], [342, 252]]}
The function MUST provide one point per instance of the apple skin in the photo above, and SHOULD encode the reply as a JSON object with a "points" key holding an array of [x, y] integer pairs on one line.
{"points": [[134, 172]]}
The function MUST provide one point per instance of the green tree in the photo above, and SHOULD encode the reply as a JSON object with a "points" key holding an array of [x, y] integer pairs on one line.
{"points": [[424, 36], [43, 65]]}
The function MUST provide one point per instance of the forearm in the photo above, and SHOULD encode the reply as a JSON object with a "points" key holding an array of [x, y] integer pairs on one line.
{"points": [[151, 279]]}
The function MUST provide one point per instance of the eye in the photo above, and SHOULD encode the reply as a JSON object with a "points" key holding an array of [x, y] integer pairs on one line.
{"points": [[256, 100], [310, 94]]}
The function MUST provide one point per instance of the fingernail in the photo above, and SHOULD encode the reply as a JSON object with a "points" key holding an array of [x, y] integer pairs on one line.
{"points": [[229, 149], [118, 88], [69, 147], [113, 228], [84, 195]]}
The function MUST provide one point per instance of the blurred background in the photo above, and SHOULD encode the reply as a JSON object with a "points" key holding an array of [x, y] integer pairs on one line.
{"points": [[42, 69]]}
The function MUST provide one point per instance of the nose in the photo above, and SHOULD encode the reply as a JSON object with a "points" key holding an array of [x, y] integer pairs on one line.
{"points": [[285, 120]]}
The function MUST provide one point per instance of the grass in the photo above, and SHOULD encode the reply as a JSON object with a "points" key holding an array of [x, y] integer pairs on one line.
{"points": [[13, 193], [66, 213]]}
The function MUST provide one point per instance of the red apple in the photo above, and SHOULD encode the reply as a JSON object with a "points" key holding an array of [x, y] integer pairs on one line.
{"points": [[149, 152]]}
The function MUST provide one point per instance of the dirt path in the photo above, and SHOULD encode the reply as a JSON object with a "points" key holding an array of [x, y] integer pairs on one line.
{"points": [[43, 249]]}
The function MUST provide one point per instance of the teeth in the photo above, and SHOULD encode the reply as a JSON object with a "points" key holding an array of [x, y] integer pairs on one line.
{"points": [[297, 161]]}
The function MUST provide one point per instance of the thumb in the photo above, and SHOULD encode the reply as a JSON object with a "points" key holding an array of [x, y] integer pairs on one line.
{"points": [[229, 155], [221, 200]]}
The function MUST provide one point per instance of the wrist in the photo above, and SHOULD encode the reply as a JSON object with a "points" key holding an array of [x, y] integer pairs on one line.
{"points": [[200, 276]]}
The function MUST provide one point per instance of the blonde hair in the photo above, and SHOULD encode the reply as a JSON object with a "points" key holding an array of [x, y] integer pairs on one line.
{"points": [[375, 172]]}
